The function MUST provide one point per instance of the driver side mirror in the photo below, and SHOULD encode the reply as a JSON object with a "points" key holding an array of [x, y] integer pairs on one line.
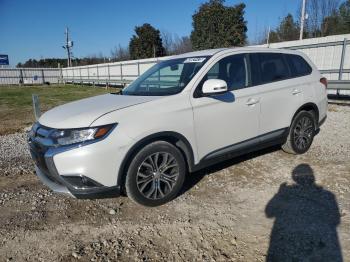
{"points": [[214, 87]]}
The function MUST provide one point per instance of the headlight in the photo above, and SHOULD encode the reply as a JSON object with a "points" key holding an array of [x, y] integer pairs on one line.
{"points": [[73, 136]]}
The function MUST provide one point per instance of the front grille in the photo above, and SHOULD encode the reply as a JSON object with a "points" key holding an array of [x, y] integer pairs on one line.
{"points": [[38, 150]]}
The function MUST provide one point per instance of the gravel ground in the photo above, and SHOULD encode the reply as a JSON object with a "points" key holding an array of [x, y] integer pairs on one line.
{"points": [[266, 205]]}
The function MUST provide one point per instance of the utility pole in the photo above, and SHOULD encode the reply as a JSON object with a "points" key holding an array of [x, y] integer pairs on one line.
{"points": [[68, 46], [268, 37], [302, 20]]}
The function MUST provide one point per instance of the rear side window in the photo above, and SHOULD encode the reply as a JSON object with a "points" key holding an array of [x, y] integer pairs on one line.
{"points": [[272, 67], [298, 65]]}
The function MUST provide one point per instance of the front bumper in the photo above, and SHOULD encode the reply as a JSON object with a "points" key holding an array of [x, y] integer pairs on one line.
{"points": [[91, 193], [73, 175], [54, 186]]}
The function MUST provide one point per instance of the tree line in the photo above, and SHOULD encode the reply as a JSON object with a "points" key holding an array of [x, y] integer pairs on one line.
{"points": [[62, 62], [216, 25], [324, 18]]}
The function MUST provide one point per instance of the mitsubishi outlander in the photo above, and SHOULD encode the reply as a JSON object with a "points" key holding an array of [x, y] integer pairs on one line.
{"points": [[183, 114]]}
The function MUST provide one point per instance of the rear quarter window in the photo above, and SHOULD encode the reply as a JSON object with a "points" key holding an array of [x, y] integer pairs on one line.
{"points": [[298, 65]]}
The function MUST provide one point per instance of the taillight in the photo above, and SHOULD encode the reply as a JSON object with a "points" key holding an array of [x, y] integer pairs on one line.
{"points": [[324, 81]]}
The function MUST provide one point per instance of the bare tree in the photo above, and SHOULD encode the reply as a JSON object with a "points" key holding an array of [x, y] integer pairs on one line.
{"points": [[174, 44], [261, 36], [120, 53], [317, 11], [182, 45], [168, 41]]}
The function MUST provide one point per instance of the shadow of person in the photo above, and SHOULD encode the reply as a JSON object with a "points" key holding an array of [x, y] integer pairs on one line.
{"points": [[306, 217]]}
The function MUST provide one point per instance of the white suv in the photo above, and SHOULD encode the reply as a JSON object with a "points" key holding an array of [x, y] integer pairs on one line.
{"points": [[183, 114]]}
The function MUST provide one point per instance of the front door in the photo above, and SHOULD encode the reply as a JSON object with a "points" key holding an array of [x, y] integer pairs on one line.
{"points": [[223, 121]]}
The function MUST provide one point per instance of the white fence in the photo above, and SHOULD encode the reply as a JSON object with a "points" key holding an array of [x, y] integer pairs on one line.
{"points": [[331, 55], [109, 73], [15, 76]]}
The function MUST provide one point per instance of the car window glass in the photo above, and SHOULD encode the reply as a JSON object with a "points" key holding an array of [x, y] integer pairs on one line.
{"points": [[213, 73], [272, 67], [168, 77], [298, 65], [232, 69]]}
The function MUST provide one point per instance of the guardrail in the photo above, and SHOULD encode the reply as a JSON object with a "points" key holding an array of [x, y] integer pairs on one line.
{"points": [[339, 85], [342, 87]]}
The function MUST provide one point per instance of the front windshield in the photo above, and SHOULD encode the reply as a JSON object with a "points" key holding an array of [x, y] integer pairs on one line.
{"points": [[166, 78]]}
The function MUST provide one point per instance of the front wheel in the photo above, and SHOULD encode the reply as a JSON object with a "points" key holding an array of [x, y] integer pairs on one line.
{"points": [[301, 133], [156, 174]]}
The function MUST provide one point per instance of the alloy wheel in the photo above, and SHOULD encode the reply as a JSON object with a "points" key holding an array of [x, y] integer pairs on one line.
{"points": [[303, 133], [157, 175]]}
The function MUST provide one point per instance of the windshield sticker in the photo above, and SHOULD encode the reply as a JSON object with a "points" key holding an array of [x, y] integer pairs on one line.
{"points": [[194, 60]]}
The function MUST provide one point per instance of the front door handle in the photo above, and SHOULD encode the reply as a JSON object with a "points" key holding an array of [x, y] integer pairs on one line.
{"points": [[252, 101], [296, 91]]}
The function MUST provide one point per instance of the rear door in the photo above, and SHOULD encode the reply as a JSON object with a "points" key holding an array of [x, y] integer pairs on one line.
{"points": [[281, 95]]}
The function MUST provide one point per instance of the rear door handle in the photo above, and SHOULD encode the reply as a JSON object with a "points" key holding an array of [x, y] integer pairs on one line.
{"points": [[252, 101], [296, 91]]}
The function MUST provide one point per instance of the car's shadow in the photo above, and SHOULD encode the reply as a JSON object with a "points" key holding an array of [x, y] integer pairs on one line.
{"points": [[194, 178]]}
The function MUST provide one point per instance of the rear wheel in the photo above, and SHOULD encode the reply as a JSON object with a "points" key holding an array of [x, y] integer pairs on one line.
{"points": [[301, 133], [156, 174]]}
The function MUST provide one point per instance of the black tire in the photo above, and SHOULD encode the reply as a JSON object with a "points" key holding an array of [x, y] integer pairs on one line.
{"points": [[158, 167], [301, 133]]}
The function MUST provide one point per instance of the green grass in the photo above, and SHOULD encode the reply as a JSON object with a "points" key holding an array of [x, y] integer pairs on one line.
{"points": [[16, 111]]}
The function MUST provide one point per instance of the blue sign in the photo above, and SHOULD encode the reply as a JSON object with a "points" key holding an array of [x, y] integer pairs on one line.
{"points": [[4, 60]]}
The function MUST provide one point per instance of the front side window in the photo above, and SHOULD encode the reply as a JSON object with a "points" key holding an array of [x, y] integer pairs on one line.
{"points": [[232, 69], [166, 78]]}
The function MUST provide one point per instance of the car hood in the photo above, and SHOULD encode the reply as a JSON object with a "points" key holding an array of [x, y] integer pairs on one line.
{"points": [[83, 113]]}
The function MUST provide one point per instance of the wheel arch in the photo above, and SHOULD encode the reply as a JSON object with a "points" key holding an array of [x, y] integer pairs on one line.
{"points": [[171, 137], [308, 107]]}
